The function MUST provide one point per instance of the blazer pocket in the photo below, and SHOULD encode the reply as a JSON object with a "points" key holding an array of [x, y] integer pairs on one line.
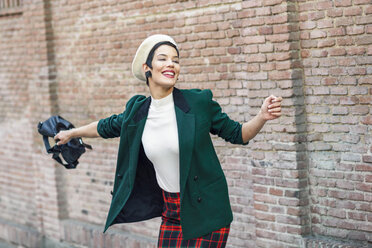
{"points": [[215, 199], [212, 186]]}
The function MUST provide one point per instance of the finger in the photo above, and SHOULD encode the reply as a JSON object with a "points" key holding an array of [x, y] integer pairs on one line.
{"points": [[276, 113], [278, 99], [279, 109], [274, 105], [270, 98], [56, 139]]}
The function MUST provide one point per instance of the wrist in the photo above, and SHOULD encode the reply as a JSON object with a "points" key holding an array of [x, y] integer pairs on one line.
{"points": [[71, 133], [261, 116]]}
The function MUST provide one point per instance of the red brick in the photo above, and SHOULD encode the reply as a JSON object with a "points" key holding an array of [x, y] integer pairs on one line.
{"points": [[265, 30], [264, 198], [337, 51], [356, 51], [363, 167], [363, 20], [324, 24], [336, 32], [367, 159], [276, 19], [342, 3], [324, 5], [345, 185], [263, 180], [264, 216], [345, 41], [286, 28], [277, 192], [279, 75], [253, 22], [335, 12], [364, 187], [234, 50], [278, 38], [357, 2], [337, 213], [318, 34], [343, 22], [288, 220], [304, 7], [271, 2], [357, 71], [250, 4], [307, 25], [263, 11], [261, 207], [326, 43], [264, 48], [246, 13], [353, 11]]}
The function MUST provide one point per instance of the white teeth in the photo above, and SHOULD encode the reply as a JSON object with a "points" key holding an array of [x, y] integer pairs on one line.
{"points": [[169, 73]]}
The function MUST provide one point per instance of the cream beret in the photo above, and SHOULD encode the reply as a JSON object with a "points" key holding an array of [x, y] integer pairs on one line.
{"points": [[143, 52]]}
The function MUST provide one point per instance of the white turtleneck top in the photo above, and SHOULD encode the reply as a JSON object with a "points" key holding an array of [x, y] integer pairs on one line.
{"points": [[160, 142]]}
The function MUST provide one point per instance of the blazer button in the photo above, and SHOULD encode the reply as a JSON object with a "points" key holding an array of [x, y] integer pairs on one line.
{"points": [[196, 178], [111, 192], [199, 199], [120, 176]]}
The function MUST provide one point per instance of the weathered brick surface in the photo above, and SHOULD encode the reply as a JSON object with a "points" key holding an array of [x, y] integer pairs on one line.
{"points": [[335, 66], [304, 181]]}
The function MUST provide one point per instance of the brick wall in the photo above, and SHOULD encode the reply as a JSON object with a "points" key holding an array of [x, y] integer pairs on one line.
{"points": [[304, 181], [336, 50]]}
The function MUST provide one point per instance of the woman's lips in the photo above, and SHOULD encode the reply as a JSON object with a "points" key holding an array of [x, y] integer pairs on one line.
{"points": [[168, 74]]}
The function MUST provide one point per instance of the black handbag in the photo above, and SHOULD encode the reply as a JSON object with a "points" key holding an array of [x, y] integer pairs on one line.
{"points": [[70, 151]]}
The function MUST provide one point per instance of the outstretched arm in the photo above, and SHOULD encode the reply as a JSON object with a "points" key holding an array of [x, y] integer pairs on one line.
{"points": [[87, 131], [270, 110]]}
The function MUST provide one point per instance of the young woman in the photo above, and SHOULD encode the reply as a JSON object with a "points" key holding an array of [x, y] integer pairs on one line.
{"points": [[167, 165]]}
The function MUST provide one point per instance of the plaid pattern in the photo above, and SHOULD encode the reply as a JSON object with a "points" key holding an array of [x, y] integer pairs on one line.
{"points": [[170, 234]]}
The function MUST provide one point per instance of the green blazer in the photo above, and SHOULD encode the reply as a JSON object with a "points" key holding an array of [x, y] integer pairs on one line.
{"points": [[205, 205]]}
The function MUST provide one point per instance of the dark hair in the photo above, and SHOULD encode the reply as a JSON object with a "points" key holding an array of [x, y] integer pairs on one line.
{"points": [[151, 56]]}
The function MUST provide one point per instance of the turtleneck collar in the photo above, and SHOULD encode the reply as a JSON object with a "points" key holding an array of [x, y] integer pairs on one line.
{"points": [[162, 102]]}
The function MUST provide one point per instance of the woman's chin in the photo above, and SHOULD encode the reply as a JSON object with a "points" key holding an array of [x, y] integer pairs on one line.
{"points": [[167, 83]]}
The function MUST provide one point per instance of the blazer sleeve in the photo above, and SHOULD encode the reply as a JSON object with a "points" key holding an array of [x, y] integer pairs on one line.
{"points": [[222, 125], [110, 127]]}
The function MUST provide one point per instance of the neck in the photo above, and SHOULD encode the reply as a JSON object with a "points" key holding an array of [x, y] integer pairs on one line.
{"points": [[158, 92]]}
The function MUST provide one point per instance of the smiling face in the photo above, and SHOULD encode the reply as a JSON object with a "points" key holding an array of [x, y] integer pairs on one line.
{"points": [[165, 68]]}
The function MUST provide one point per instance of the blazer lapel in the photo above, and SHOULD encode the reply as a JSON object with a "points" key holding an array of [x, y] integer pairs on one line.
{"points": [[134, 134], [186, 133]]}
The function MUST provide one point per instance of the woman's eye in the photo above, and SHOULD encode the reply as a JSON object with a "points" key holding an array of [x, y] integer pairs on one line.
{"points": [[176, 61]]}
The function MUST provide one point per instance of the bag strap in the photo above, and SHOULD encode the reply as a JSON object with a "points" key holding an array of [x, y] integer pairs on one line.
{"points": [[46, 143], [59, 160], [56, 152], [84, 144]]}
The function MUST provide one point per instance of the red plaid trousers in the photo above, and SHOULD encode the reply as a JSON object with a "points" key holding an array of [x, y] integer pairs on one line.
{"points": [[170, 234]]}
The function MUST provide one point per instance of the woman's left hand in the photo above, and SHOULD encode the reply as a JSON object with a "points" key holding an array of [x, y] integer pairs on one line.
{"points": [[271, 108]]}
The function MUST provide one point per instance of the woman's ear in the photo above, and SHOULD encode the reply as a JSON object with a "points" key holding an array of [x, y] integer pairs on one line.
{"points": [[145, 67]]}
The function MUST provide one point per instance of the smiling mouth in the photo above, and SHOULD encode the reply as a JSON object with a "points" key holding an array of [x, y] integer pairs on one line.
{"points": [[169, 74]]}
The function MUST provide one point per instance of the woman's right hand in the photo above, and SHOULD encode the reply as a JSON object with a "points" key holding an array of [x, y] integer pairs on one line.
{"points": [[63, 137]]}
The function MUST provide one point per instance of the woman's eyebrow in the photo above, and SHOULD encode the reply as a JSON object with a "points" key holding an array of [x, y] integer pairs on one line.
{"points": [[161, 54]]}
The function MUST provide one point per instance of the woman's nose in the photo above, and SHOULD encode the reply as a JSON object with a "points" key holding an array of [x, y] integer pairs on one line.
{"points": [[170, 63]]}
